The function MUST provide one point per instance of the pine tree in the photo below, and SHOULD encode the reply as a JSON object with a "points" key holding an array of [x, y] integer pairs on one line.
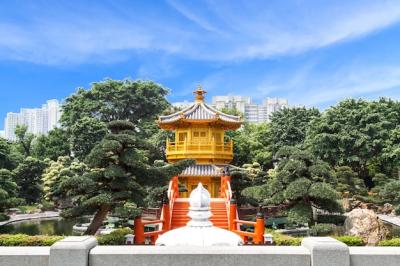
{"points": [[300, 183], [119, 174]]}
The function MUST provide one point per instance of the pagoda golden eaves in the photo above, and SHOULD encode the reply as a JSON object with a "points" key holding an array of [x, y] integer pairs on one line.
{"points": [[200, 133]]}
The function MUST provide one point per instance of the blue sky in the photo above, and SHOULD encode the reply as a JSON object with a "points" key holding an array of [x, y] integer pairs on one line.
{"points": [[315, 53]]}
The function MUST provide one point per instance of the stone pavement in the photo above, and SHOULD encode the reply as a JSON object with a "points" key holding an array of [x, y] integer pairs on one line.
{"points": [[31, 216]]}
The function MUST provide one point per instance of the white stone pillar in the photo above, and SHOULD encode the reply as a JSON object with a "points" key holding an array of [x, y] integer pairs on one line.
{"points": [[327, 251], [72, 251]]}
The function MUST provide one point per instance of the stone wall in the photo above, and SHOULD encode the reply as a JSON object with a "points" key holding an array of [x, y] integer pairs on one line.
{"points": [[83, 251]]}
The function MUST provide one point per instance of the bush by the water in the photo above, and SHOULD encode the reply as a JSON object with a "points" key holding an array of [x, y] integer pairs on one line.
{"points": [[46, 206], [28, 209], [322, 229], [331, 219], [351, 240], [4, 217], [394, 242], [116, 237], [26, 240]]}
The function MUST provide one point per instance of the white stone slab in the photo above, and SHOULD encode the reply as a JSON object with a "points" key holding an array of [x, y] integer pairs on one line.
{"points": [[374, 256], [24, 256], [327, 251], [198, 256], [72, 251]]}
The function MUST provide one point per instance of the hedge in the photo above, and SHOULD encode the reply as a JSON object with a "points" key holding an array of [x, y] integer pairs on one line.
{"points": [[26, 240], [394, 242], [351, 240], [285, 240], [116, 237]]}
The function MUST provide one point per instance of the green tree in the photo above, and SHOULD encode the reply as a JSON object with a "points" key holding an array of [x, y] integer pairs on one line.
{"points": [[109, 100], [251, 144], [349, 181], [301, 182], [9, 157], [359, 134], [119, 173], [58, 171], [134, 100], [85, 134], [28, 177], [289, 126], [52, 145], [248, 178], [24, 139], [8, 191]]}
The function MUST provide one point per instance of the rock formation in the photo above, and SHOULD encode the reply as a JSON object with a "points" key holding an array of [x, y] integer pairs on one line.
{"points": [[365, 224]]}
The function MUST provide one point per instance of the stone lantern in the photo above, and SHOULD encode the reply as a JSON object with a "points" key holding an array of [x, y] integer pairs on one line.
{"points": [[268, 239], [129, 238]]}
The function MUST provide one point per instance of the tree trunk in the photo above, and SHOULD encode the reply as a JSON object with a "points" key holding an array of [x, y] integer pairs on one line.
{"points": [[98, 219]]}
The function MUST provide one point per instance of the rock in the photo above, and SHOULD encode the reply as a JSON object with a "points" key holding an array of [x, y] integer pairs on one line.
{"points": [[365, 224], [355, 204], [387, 208]]}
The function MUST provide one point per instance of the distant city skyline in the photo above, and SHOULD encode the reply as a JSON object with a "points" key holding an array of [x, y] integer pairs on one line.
{"points": [[253, 112], [38, 120]]}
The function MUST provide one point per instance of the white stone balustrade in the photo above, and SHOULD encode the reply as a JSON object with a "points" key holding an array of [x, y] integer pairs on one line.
{"points": [[314, 251]]}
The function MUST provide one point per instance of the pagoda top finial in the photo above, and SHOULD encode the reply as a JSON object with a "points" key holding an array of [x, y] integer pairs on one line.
{"points": [[199, 93]]}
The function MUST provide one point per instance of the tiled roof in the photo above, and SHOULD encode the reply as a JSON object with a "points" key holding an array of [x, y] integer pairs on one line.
{"points": [[203, 170], [199, 111]]}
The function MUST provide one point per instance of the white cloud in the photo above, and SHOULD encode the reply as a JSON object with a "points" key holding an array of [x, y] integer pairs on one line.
{"points": [[311, 88], [214, 31], [355, 82]]}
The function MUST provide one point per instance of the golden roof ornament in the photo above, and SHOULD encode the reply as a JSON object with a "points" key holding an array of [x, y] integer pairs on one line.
{"points": [[199, 94]]}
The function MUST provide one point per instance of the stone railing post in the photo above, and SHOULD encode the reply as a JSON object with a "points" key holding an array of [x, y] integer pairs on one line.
{"points": [[327, 251], [72, 251]]}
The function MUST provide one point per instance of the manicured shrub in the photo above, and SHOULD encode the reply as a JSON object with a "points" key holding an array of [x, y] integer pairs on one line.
{"points": [[27, 209], [4, 217], [331, 219], [25, 240], [394, 242], [46, 206], [322, 229], [116, 237], [285, 240], [351, 240]]}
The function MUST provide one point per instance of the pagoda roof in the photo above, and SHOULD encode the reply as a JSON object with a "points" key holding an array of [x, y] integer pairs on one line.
{"points": [[199, 111], [204, 170]]}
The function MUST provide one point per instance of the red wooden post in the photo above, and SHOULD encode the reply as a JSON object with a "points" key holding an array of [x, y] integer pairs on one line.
{"points": [[232, 214], [259, 229], [166, 218], [139, 231]]}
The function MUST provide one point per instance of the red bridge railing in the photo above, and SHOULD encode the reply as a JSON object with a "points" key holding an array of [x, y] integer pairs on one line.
{"points": [[257, 236], [164, 223]]}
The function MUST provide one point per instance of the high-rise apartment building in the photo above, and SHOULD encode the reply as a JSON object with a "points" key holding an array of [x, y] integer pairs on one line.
{"points": [[38, 120], [253, 113], [231, 101]]}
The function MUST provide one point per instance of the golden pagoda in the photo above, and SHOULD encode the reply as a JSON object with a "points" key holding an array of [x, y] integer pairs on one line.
{"points": [[200, 134]]}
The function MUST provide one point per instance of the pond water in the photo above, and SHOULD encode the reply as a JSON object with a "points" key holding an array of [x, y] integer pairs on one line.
{"points": [[54, 226]]}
